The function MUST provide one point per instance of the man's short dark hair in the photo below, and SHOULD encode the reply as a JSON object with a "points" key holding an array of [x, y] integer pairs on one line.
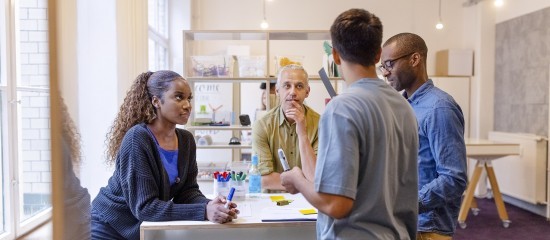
{"points": [[357, 36], [408, 43]]}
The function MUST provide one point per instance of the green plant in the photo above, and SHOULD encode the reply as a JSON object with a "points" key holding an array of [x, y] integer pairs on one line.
{"points": [[333, 70]]}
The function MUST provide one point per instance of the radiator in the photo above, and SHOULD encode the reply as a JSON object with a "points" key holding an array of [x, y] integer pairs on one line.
{"points": [[524, 176]]}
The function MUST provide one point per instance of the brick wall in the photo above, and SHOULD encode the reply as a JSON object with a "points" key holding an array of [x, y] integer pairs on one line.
{"points": [[34, 119]]}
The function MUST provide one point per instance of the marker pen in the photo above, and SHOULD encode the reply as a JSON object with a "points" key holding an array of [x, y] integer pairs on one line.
{"points": [[229, 197]]}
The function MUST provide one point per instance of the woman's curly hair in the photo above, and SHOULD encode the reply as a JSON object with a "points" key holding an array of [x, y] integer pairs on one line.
{"points": [[71, 136], [137, 107]]}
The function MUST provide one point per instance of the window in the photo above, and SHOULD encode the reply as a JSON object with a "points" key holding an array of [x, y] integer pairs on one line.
{"points": [[33, 109], [24, 120], [158, 34], [4, 166]]}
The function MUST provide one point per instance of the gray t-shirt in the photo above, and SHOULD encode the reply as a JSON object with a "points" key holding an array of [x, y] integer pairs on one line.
{"points": [[368, 145]]}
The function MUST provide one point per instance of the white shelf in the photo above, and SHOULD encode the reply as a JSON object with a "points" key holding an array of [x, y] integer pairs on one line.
{"points": [[268, 43], [210, 128], [223, 146], [249, 79], [210, 35]]}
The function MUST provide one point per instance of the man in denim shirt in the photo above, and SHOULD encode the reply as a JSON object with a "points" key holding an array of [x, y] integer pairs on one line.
{"points": [[442, 153]]}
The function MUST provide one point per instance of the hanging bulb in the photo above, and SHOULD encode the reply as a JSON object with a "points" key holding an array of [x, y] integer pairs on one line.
{"points": [[264, 24], [499, 3], [439, 24]]}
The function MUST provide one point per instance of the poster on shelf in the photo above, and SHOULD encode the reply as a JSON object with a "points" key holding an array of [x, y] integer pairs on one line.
{"points": [[214, 101]]}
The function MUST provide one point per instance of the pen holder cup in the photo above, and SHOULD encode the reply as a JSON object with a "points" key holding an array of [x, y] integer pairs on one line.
{"points": [[221, 188], [240, 189]]}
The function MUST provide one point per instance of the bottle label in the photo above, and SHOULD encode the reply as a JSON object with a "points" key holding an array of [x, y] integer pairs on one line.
{"points": [[254, 184]]}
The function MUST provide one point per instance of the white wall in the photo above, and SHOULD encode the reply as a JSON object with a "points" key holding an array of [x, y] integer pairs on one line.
{"points": [[97, 90], [180, 19], [417, 16], [515, 8], [112, 46]]}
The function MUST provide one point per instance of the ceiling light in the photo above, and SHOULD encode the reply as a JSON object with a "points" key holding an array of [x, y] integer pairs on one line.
{"points": [[499, 3], [469, 3], [264, 24], [439, 24]]}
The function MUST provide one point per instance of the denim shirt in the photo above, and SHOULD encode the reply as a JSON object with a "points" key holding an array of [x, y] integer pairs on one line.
{"points": [[441, 158]]}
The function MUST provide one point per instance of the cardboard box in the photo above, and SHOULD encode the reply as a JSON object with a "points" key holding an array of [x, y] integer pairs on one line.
{"points": [[454, 62]]}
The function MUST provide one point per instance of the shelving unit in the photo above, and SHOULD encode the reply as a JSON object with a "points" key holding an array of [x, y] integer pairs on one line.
{"points": [[306, 43]]}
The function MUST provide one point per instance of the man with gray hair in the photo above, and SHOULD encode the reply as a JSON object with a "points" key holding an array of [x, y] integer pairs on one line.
{"points": [[288, 126]]}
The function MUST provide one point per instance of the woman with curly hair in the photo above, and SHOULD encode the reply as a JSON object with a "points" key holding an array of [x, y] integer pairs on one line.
{"points": [[155, 166]]}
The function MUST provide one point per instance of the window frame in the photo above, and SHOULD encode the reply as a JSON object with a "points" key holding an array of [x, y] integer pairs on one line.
{"points": [[161, 40], [10, 64]]}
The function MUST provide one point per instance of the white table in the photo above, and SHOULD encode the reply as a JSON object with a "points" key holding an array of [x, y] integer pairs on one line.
{"points": [[244, 227], [484, 152]]}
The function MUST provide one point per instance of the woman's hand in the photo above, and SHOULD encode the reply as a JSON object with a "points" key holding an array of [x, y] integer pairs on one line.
{"points": [[216, 211]]}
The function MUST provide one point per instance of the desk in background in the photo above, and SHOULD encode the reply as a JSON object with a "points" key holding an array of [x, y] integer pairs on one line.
{"points": [[247, 226], [484, 152]]}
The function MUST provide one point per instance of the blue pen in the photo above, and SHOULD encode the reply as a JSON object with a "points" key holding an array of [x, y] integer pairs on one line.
{"points": [[229, 197]]}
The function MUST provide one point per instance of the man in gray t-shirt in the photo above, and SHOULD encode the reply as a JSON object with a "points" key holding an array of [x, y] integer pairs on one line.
{"points": [[366, 174]]}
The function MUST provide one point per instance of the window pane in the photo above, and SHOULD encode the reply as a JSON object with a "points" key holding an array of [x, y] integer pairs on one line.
{"points": [[162, 57], [4, 165], [34, 152], [153, 14], [33, 44], [152, 56], [163, 18], [158, 16]]}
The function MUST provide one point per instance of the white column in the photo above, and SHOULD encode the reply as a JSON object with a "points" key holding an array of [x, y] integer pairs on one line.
{"points": [[112, 47]]}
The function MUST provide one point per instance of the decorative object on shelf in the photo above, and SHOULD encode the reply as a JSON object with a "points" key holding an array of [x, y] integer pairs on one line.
{"points": [[219, 124], [251, 66], [204, 140], [234, 141], [201, 122], [244, 119], [211, 66], [330, 65], [202, 109], [282, 61], [214, 110]]}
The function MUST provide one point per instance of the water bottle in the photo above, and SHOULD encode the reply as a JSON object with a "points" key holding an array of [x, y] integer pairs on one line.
{"points": [[254, 179]]}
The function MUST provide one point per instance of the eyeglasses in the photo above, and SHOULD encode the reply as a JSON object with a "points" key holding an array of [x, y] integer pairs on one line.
{"points": [[388, 64]]}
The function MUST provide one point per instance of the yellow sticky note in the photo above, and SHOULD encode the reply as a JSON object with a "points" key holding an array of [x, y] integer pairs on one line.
{"points": [[308, 211], [277, 198]]}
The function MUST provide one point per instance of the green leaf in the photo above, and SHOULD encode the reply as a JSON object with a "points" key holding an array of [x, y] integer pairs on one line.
{"points": [[328, 48]]}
